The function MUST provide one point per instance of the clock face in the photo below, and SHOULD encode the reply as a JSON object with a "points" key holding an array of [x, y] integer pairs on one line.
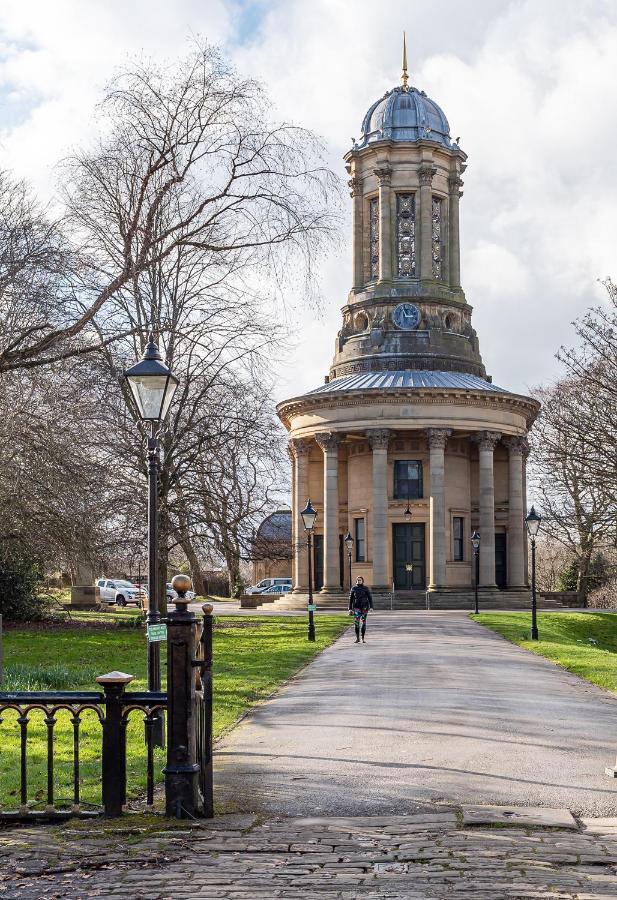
{"points": [[406, 316]]}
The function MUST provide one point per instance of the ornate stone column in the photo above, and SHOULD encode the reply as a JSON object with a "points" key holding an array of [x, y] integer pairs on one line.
{"points": [[357, 213], [379, 439], [516, 513], [385, 223], [454, 248], [486, 444], [329, 443], [426, 174], [299, 450], [437, 438]]}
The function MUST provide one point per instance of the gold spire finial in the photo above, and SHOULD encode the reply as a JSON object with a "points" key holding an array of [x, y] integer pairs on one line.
{"points": [[404, 76]]}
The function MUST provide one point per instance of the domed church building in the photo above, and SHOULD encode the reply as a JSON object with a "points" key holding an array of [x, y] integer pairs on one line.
{"points": [[408, 444]]}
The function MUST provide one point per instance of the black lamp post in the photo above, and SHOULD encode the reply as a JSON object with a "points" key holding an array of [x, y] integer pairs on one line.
{"points": [[348, 541], [475, 543], [309, 516], [532, 521], [152, 387]]}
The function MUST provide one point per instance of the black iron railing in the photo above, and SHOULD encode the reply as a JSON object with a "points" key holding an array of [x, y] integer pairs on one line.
{"points": [[112, 709]]}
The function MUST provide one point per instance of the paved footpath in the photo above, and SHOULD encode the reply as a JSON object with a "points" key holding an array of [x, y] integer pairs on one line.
{"points": [[434, 708], [412, 857]]}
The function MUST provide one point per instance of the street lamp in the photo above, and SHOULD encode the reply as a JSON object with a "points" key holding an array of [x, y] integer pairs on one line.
{"points": [[309, 516], [152, 387], [475, 543], [532, 521], [348, 541]]}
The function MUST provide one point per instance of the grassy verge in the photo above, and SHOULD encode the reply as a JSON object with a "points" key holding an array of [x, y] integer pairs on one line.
{"points": [[583, 643], [253, 655]]}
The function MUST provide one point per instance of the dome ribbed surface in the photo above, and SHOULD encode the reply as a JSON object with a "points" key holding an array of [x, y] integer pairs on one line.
{"points": [[407, 379], [405, 115]]}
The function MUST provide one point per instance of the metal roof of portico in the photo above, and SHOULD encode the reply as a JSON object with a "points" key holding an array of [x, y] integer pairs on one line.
{"points": [[406, 378]]}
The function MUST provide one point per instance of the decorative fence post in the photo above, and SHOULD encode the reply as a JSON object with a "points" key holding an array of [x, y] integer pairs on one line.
{"points": [[114, 743], [182, 769], [206, 780]]}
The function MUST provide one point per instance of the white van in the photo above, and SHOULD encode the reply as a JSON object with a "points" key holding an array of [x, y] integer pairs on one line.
{"points": [[265, 584]]}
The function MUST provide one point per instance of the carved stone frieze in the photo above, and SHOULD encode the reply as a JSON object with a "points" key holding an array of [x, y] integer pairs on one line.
{"points": [[378, 438], [328, 441]]}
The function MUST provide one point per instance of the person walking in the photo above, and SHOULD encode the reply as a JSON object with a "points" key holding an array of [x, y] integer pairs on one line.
{"points": [[360, 601]]}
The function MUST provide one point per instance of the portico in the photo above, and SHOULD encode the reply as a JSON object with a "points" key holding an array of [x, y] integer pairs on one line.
{"points": [[408, 444]]}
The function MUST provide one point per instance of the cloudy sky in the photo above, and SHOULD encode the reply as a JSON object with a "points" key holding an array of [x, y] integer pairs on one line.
{"points": [[529, 85]]}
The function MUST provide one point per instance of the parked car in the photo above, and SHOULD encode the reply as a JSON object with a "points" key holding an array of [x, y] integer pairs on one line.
{"points": [[277, 589], [118, 591], [266, 583]]}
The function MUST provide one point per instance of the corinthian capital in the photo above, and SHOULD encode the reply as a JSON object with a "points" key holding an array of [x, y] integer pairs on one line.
{"points": [[486, 440], [455, 183], [378, 438], [298, 447], [517, 445], [427, 174], [355, 186], [438, 437], [328, 441], [383, 174]]}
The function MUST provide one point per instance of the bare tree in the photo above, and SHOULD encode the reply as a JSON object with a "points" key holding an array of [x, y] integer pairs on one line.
{"points": [[578, 507]]}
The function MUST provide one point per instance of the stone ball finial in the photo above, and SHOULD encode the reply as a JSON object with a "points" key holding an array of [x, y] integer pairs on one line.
{"points": [[181, 584]]}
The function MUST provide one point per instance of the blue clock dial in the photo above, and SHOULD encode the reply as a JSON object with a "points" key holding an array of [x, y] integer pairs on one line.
{"points": [[406, 316]]}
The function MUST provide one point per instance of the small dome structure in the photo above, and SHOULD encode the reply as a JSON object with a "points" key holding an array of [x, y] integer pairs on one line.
{"points": [[405, 114]]}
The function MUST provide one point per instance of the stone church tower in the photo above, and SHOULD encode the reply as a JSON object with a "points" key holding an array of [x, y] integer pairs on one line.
{"points": [[408, 444]]}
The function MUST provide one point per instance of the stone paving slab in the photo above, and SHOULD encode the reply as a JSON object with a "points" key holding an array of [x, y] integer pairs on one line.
{"points": [[519, 815], [432, 855]]}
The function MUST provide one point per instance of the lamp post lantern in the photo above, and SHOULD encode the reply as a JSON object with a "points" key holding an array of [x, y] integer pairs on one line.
{"points": [[532, 521], [309, 515], [475, 543], [348, 541], [152, 387]]}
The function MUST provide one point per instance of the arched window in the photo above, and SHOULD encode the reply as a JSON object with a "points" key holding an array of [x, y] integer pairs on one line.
{"points": [[407, 479]]}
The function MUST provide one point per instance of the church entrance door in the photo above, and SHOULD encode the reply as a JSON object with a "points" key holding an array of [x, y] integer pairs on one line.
{"points": [[409, 551]]}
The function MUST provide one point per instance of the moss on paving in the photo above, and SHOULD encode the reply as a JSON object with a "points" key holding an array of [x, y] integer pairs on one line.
{"points": [[253, 655], [582, 643]]}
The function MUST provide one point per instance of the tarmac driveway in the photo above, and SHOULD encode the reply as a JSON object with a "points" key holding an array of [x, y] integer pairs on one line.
{"points": [[434, 708]]}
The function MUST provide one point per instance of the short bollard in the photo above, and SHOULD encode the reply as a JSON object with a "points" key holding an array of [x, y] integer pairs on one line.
{"points": [[114, 743], [206, 780], [182, 769]]}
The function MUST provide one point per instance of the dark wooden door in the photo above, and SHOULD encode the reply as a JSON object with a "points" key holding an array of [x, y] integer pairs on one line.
{"points": [[501, 566], [409, 550], [318, 561]]}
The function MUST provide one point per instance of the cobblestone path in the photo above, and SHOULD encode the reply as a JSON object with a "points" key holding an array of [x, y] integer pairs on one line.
{"points": [[433, 855]]}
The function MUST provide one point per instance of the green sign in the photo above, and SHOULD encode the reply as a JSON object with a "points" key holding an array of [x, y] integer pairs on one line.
{"points": [[157, 632], [312, 607]]}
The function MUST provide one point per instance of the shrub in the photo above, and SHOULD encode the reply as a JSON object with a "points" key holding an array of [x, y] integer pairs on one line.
{"points": [[20, 583], [604, 597]]}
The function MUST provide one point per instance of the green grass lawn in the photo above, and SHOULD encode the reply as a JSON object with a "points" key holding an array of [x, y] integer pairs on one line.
{"points": [[565, 639], [253, 655]]}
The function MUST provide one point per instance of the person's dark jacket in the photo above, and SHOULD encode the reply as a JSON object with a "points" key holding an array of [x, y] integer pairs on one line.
{"points": [[360, 598]]}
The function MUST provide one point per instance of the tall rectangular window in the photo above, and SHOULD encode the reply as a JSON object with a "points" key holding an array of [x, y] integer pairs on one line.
{"points": [[407, 479], [360, 539], [458, 538], [406, 234], [374, 236], [436, 242]]}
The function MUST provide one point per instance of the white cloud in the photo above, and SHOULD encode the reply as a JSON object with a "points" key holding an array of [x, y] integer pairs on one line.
{"points": [[530, 87]]}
